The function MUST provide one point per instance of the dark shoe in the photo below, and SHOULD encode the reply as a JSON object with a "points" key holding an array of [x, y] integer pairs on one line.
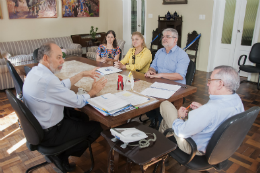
{"points": [[153, 123], [57, 162], [70, 167]]}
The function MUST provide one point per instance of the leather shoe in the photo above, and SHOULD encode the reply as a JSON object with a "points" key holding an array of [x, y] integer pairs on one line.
{"points": [[153, 123], [70, 167], [57, 162]]}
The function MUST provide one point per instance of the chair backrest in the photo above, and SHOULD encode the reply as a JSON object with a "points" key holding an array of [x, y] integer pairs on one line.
{"points": [[229, 136], [27, 69], [190, 72], [190, 38], [30, 125], [18, 83], [254, 54]]}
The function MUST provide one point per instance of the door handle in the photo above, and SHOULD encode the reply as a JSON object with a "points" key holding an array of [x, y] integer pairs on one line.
{"points": [[139, 25], [238, 30]]}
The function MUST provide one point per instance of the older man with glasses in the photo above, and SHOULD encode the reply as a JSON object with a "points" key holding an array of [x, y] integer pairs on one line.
{"points": [[171, 62], [203, 120]]}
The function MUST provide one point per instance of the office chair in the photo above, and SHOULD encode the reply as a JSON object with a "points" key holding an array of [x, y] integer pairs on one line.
{"points": [[34, 133], [194, 46], [18, 83], [223, 143], [254, 56], [27, 69]]}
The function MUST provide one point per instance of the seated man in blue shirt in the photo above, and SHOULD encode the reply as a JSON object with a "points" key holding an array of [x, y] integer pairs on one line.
{"points": [[170, 62], [203, 120], [45, 95]]}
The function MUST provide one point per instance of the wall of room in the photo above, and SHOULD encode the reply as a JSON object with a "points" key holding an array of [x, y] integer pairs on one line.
{"points": [[25, 29], [190, 14]]}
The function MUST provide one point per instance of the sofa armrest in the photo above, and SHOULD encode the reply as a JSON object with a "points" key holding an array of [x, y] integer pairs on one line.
{"points": [[92, 49], [75, 46], [3, 69]]}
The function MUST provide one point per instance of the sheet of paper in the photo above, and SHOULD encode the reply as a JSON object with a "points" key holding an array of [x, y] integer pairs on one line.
{"points": [[159, 93], [108, 70], [132, 98], [108, 102], [165, 86]]}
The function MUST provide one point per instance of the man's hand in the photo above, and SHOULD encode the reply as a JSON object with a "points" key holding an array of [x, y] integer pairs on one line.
{"points": [[97, 86], [91, 73], [149, 73], [156, 75], [195, 105], [182, 113]]}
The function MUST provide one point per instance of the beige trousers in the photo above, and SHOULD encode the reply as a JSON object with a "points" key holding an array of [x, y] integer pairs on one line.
{"points": [[169, 114]]}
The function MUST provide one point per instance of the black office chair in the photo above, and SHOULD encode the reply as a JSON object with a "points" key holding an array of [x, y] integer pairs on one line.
{"points": [[254, 56], [34, 133], [18, 83], [190, 72], [35, 55], [223, 143], [194, 46], [27, 69]]}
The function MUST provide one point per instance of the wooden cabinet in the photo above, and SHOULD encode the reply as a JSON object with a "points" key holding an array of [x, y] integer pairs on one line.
{"points": [[85, 39]]}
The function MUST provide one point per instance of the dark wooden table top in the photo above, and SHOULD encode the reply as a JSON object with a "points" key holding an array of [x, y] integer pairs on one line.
{"points": [[110, 121], [141, 156]]}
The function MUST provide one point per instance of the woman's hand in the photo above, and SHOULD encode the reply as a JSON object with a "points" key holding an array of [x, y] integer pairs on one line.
{"points": [[119, 65], [104, 59]]}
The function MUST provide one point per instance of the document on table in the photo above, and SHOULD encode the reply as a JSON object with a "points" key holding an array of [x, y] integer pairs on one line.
{"points": [[108, 70], [132, 98], [161, 90]]}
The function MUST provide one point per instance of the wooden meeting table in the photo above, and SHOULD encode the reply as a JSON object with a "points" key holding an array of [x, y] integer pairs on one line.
{"points": [[110, 121]]}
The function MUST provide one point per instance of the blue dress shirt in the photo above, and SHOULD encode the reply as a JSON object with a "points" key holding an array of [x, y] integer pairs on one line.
{"points": [[45, 95], [176, 61], [204, 121]]}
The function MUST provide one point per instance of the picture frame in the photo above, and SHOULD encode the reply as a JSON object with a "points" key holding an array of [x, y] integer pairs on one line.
{"points": [[166, 2], [80, 8], [32, 9], [1, 16]]}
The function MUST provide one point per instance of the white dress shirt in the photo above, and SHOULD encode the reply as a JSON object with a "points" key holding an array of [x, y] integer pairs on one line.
{"points": [[45, 95], [205, 120]]}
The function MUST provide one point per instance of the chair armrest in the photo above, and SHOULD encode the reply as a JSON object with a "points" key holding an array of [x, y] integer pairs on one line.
{"points": [[92, 49], [190, 141], [75, 46], [241, 58], [3, 69]]}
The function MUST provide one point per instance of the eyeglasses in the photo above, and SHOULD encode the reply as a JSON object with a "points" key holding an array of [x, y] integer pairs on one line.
{"points": [[167, 36], [133, 59], [209, 80]]}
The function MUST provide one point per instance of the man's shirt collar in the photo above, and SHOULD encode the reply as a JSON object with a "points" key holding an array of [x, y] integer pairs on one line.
{"points": [[172, 50]]}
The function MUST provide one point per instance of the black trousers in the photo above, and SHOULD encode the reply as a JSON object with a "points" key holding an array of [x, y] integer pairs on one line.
{"points": [[73, 126]]}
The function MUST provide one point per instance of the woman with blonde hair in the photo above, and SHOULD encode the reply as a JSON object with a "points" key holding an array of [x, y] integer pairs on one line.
{"points": [[137, 58]]}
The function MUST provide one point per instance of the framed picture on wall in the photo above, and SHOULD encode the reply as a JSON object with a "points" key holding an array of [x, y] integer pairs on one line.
{"points": [[31, 9], [1, 16], [175, 1], [80, 8]]}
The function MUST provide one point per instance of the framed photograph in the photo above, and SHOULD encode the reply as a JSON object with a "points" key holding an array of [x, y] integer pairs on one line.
{"points": [[175, 2], [1, 16], [80, 8], [31, 9]]}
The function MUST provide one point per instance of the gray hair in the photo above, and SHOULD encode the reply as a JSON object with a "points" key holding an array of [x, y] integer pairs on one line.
{"points": [[229, 76], [45, 49], [174, 31]]}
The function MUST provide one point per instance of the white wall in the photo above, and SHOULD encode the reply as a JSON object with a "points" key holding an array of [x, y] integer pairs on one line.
{"points": [[25, 29]]}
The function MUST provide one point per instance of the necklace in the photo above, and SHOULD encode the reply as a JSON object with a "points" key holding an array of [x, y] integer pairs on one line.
{"points": [[140, 51]]}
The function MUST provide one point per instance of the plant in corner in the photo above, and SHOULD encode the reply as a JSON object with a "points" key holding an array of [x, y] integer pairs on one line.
{"points": [[93, 33]]}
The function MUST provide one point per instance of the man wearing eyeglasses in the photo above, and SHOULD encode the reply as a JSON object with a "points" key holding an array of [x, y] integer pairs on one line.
{"points": [[170, 62], [203, 120]]}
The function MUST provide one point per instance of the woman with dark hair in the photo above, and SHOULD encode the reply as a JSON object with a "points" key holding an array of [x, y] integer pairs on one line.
{"points": [[137, 58], [108, 51]]}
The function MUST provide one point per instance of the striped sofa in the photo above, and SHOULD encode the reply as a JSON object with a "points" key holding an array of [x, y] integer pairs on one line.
{"points": [[91, 51], [6, 80], [22, 51]]}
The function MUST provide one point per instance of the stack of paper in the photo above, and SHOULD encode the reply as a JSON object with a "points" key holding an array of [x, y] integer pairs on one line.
{"points": [[108, 70], [161, 90]]}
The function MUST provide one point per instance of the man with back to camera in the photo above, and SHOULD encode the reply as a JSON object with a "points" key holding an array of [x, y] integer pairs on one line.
{"points": [[45, 95], [170, 62], [203, 120]]}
